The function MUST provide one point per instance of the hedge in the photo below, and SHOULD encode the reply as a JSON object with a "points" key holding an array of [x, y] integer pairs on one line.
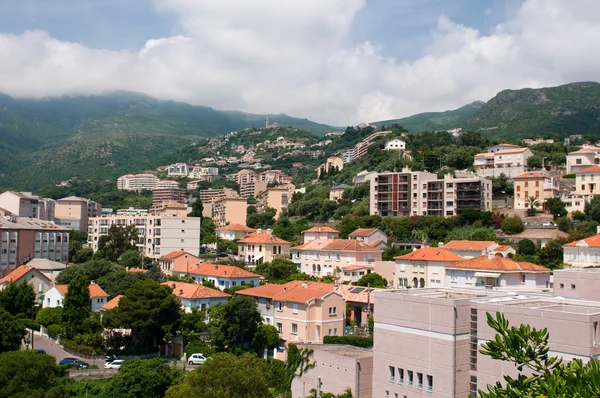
{"points": [[54, 331], [78, 349], [364, 342]]}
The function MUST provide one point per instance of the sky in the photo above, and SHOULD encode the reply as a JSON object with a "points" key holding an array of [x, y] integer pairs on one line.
{"points": [[339, 62]]}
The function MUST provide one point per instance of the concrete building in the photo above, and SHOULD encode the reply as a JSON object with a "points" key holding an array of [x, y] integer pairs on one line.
{"points": [[56, 295], [395, 145], [27, 274], [137, 182], [347, 155], [362, 147], [411, 193], [360, 302], [336, 192], [166, 195], [48, 268], [208, 196], [229, 210], [363, 177], [73, 212], [246, 176], [587, 182], [158, 235], [274, 176], [277, 198], [370, 236], [337, 368], [534, 185], [577, 283], [470, 248], [510, 161], [178, 170], [252, 189], [193, 296], [22, 239], [222, 276], [21, 204], [332, 162], [203, 173], [320, 233], [177, 259], [233, 231], [582, 159], [583, 253], [424, 267], [262, 247]]}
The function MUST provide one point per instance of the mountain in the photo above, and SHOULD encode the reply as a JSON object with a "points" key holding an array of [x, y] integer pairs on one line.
{"points": [[102, 136], [571, 108], [432, 121]]}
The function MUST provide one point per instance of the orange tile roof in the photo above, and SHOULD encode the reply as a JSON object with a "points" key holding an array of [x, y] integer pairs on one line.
{"points": [[18, 273], [321, 229], [175, 254], [227, 271], [591, 169], [262, 237], [136, 270], [349, 245], [431, 254], [358, 297], [469, 245], [501, 248], [114, 303], [194, 291], [302, 294], [363, 232], [498, 263], [94, 289], [235, 227], [305, 291], [531, 174], [592, 241], [353, 268], [515, 150], [315, 244]]}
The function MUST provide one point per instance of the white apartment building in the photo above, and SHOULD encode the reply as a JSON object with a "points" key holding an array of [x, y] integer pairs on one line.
{"points": [[203, 173], [137, 182], [177, 170], [22, 204], [158, 235], [510, 160], [583, 253], [395, 145]]}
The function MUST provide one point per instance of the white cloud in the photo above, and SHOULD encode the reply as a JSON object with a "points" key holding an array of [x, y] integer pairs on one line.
{"points": [[295, 57]]}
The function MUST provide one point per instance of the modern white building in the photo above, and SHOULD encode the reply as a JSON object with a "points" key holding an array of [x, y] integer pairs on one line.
{"points": [[193, 295], [137, 182], [395, 145], [56, 296], [177, 170], [510, 160]]}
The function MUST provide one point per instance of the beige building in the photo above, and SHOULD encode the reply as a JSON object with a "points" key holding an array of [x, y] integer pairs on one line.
{"points": [[27, 274], [470, 248], [252, 189], [137, 182], [337, 192], [587, 182], [510, 160], [177, 260], [234, 231], [424, 267], [370, 236], [22, 204], [534, 185], [332, 162], [73, 212], [262, 247], [277, 198], [229, 211], [582, 159], [362, 147], [166, 196]]}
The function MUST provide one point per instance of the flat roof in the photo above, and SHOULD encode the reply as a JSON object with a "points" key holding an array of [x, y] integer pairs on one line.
{"points": [[341, 349], [557, 304]]}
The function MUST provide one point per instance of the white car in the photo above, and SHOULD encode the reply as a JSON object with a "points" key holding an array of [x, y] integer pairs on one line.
{"points": [[196, 359], [116, 364]]}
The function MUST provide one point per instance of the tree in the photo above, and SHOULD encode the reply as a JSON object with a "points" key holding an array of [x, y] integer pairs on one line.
{"points": [[473, 138], [76, 306], [149, 309], [532, 203], [502, 185], [373, 280], [263, 220], [535, 162], [592, 209], [512, 225], [49, 316], [207, 231], [118, 282], [278, 270], [192, 324], [197, 209], [225, 375], [18, 299], [526, 247], [284, 228], [12, 331], [156, 274], [131, 259], [556, 207], [564, 224], [27, 374], [76, 241], [551, 255], [527, 348], [148, 378], [234, 323], [93, 270], [117, 241], [266, 337]]}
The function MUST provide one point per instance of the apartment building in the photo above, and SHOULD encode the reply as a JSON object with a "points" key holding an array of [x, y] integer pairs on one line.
{"points": [[178, 170], [395, 145], [347, 155], [582, 159], [137, 182], [229, 210], [27, 274], [583, 253], [73, 212], [246, 176], [277, 198], [470, 248], [193, 295], [21, 204], [234, 231], [22, 239], [362, 147], [506, 159], [222, 276], [274, 176], [301, 311], [412, 193], [158, 235], [536, 185], [252, 189], [170, 194], [424, 267], [587, 183], [209, 195], [56, 296], [203, 173], [262, 247], [332, 162]]}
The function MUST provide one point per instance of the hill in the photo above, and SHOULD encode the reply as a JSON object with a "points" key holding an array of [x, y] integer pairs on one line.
{"points": [[433, 121], [102, 136]]}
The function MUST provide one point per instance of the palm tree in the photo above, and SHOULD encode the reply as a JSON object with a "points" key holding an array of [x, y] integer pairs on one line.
{"points": [[531, 204]]}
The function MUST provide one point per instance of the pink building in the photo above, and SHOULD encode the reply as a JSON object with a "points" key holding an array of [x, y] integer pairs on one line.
{"points": [[177, 260], [424, 267]]}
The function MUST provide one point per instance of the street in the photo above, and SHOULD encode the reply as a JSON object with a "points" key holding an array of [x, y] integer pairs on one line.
{"points": [[51, 348]]}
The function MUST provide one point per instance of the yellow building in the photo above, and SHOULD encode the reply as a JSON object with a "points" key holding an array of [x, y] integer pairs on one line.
{"points": [[277, 198], [534, 185], [229, 211]]}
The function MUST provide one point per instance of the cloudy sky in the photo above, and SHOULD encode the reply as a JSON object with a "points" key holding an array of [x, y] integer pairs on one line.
{"points": [[333, 61]]}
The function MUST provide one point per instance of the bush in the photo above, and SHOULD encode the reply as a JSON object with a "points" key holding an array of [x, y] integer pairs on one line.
{"points": [[526, 248], [569, 176], [512, 225], [54, 331], [364, 342], [531, 212], [82, 350], [578, 215], [196, 347], [564, 224]]}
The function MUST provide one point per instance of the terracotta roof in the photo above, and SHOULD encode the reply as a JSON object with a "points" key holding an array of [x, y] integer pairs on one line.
{"points": [[515, 150], [431, 254], [18, 273], [315, 244], [175, 254], [228, 271], [584, 150], [349, 245], [94, 289], [377, 243], [353, 268], [591, 169], [194, 291], [364, 232], [236, 227], [592, 241], [352, 293], [498, 263], [305, 291], [262, 237], [469, 245], [531, 174], [114, 303], [136, 270], [485, 155], [301, 294], [321, 229], [501, 248]]}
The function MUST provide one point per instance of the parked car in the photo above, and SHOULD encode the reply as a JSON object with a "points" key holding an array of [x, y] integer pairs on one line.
{"points": [[40, 351], [110, 357], [74, 363], [116, 364], [196, 359]]}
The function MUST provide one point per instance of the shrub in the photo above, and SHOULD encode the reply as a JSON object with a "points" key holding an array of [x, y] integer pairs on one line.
{"points": [[364, 342], [512, 225], [54, 331], [526, 248], [578, 215], [564, 224], [196, 347], [569, 176], [81, 349]]}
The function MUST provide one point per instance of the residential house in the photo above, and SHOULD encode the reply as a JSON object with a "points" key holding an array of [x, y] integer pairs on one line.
{"points": [[49, 268], [56, 295], [262, 247], [320, 233], [583, 253], [395, 145], [424, 267], [497, 271], [535, 185], [502, 160], [370, 236], [359, 300], [177, 260], [193, 295], [582, 159], [222, 276], [234, 231], [504, 251], [27, 274], [470, 248], [110, 304], [587, 182], [229, 210], [336, 192], [137, 182], [333, 162]]}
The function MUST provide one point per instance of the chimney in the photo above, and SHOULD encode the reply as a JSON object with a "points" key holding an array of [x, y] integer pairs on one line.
{"points": [[173, 286], [441, 244], [259, 231], [216, 267], [225, 273], [92, 282], [180, 292], [269, 230], [285, 289]]}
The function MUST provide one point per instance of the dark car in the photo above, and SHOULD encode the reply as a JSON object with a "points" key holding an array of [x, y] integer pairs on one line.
{"points": [[40, 351], [74, 363]]}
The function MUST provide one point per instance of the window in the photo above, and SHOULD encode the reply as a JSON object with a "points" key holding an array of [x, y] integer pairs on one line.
{"points": [[332, 310], [338, 257], [387, 393], [279, 327], [523, 278], [279, 306], [578, 161], [429, 383], [329, 333], [420, 381], [410, 378], [400, 376], [392, 376], [335, 331], [562, 285], [294, 328], [295, 308], [572, 287]]}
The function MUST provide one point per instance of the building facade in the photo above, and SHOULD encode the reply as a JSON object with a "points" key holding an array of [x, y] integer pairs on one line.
{"points": [[424, 267], [583, 253], [73, 212], [470, 248], [28, 274], [234, 231], [535, 185], [137, 182], [56, 295], [506, 159], [582, 159], [222, 276], [262, 247], [193, 295], [277, 198], [21, 204], [229, 210]]}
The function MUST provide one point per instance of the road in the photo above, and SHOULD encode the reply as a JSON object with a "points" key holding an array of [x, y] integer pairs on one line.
{"points": [[51, 348]]}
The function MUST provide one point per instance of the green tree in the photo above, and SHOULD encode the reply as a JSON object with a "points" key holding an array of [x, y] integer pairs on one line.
{"points": [[118, 282], [82, 256], [76, 241], [18, 299], [532, 203], [278, 270], [49, 316], [225, 375], [192, 324], [266, 337], [131, 259], [564, 224], [27, 374], [592, 209], [535, 162], [149, 309], [93, 270], [12, 331], [197, 209], [117, 241], [262, 220], [284, 228], [502, 185], [512, 225], [208, 231], [156, 274], [526, 247], [148, 378], [551, 255], [373, 280], [556, 207], [76, 306], [234, 323], [345, 394]]}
